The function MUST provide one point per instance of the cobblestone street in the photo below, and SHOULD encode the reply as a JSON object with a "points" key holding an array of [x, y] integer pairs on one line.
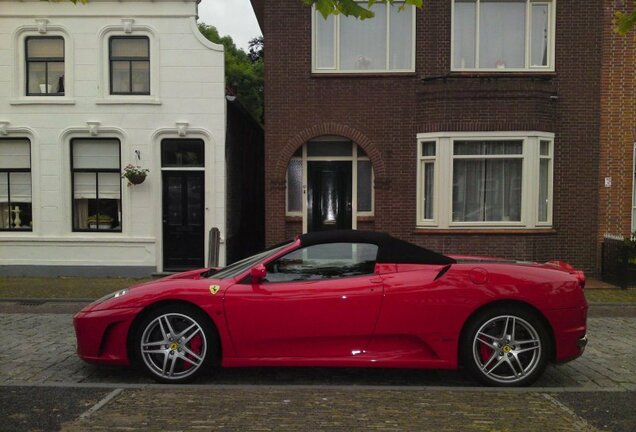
{"points": [[43, 351], [594, 392]]}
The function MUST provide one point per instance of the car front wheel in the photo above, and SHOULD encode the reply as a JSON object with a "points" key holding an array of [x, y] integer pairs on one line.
{"points": [[174, 343], [506, 347]]}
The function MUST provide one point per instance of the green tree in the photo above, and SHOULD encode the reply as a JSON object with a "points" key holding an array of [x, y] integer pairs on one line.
{"points": [[244, 74], [351, 7], [625, 21]]}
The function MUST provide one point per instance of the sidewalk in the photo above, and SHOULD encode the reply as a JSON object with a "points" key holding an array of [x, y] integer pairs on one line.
{"points": [[313, 409]]}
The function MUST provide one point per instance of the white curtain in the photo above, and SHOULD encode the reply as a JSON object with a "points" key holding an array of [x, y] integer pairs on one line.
{"points": [[502, 34], [487, 190], [464, 33], [363, 42], [325, 42], [401, 37], [539, 35]]}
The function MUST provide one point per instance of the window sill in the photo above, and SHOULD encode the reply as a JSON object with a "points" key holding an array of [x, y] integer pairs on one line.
{"points": [[131, 100], [503, 74], [75, 238], [486, 231], [350, 74], [39, 100], [291, 218]]}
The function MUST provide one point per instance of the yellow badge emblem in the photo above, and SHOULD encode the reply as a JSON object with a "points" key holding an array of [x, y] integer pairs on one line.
{"points": [[214, 289]]}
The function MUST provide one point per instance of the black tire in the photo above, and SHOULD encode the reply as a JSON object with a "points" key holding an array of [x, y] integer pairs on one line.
{"points": [[505, 346], [180, 343]]}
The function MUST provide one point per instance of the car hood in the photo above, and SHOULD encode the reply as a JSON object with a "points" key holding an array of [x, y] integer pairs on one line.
{"points": [[191, 286]]}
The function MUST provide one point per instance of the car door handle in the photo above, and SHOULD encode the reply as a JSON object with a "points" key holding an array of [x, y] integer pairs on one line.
{"points": [[377, 280]]}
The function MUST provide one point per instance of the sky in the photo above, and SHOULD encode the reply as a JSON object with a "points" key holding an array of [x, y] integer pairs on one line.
{"points": [[231, 17]]}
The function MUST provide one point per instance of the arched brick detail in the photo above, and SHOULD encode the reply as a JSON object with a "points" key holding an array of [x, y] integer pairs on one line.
{"points": [[330, 129]]}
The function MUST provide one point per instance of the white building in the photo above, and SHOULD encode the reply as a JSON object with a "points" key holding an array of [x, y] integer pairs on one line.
{"points": [[86, 90]]}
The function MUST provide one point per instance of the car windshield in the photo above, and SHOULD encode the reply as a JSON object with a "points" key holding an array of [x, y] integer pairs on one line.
{"points": [[242, 265]]}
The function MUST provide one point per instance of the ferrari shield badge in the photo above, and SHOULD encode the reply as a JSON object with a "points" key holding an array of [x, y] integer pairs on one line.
{"points": [[214, 289]]}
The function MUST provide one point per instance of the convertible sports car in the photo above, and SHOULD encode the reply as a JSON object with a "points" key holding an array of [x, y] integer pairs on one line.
{"points": [[345, 299]]}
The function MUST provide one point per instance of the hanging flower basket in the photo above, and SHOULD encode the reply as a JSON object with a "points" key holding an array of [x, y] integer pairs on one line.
{"points": [[135, 174]]}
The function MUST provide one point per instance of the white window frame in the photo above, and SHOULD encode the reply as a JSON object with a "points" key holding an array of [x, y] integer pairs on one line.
{"points": [[336, 47], [354, 158], [443, 179], [18, 52], [528, 46], [104, 95]]}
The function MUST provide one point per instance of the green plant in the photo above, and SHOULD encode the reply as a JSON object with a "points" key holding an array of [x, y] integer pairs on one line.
{"points": [[101, 218], [135, 174]]}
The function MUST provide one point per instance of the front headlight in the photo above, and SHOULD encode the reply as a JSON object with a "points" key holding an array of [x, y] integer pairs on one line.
{"points": [[116, 294]]}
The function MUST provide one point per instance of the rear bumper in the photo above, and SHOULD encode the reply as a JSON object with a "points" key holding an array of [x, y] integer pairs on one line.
{"points": [[102, 335], [570, 332]]}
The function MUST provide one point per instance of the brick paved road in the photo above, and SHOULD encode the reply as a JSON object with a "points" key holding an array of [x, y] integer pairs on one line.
{"points": [[331, 410], [42, 350]]}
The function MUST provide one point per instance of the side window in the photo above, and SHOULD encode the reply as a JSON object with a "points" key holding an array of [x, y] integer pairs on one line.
{"points": [[324, 261]]}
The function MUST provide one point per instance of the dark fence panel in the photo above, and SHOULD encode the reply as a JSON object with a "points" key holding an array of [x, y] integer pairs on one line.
{"points": [[619, 263]]}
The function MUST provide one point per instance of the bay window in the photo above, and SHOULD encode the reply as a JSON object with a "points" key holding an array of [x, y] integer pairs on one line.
{"points": [[384, 43], [485, 180], [503, 35]]}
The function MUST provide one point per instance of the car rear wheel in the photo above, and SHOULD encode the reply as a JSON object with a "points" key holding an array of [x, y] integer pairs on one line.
{"points": [[506, 346], [174, 343]]}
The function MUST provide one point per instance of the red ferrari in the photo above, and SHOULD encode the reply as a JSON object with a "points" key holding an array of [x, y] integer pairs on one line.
{"points": [[345, 299]]}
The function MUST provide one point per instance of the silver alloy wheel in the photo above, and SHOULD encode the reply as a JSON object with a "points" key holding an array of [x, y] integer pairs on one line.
{"points": [[507, 349], [173, 346]]}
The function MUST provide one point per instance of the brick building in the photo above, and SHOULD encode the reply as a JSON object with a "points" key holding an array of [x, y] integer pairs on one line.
{"points": [[470, 126], [617, 214]]}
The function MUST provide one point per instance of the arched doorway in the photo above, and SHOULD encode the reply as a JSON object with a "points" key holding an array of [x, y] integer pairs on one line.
{"points": [[329, 184]]}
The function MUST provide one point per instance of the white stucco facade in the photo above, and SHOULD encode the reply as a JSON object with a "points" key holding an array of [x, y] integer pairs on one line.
{"points": [[186, 101]]}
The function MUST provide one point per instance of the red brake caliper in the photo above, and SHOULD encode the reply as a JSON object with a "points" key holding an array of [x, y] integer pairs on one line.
{"points": [[196, 343], [485, 352]]}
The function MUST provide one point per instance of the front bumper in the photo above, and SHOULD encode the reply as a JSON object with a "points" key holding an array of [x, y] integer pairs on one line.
{"points": [[102, 335]]}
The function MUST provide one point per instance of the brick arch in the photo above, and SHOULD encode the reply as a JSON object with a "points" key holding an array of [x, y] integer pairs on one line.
{"points": [[331, 129]]}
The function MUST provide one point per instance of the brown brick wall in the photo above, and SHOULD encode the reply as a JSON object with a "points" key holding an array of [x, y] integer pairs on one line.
{"points": [[618, 124], [388, 112]]}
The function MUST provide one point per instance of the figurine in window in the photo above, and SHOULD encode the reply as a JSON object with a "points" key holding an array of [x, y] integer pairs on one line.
{"points": [[60, 84]]}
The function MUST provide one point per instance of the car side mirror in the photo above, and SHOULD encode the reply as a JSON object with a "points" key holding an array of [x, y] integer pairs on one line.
{"points": [[258, 273]]}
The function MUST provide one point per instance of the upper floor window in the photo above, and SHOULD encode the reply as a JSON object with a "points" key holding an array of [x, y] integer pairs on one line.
{"points": [[129, 58], [44, 66], [503, 35], [485, 180], [15, 185], [384, 43], [96, 182]]}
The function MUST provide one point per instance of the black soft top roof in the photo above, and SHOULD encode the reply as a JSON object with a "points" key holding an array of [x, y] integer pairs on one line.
{"points": [[390, 249]]}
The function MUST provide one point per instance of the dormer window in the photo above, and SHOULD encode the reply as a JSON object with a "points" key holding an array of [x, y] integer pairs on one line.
{"points": [[44, 66]]}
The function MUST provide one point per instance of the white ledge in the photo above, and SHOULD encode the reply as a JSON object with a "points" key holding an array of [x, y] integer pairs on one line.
{"points": [[42, 101], [127, 101]]}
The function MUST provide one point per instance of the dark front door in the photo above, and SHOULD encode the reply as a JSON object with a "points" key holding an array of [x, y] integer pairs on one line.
{"points": [[329, 195], [183, 221]]}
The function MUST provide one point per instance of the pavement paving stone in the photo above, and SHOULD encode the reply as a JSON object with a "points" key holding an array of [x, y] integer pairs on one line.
{"points": [[329, 409], [43, 351]]}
